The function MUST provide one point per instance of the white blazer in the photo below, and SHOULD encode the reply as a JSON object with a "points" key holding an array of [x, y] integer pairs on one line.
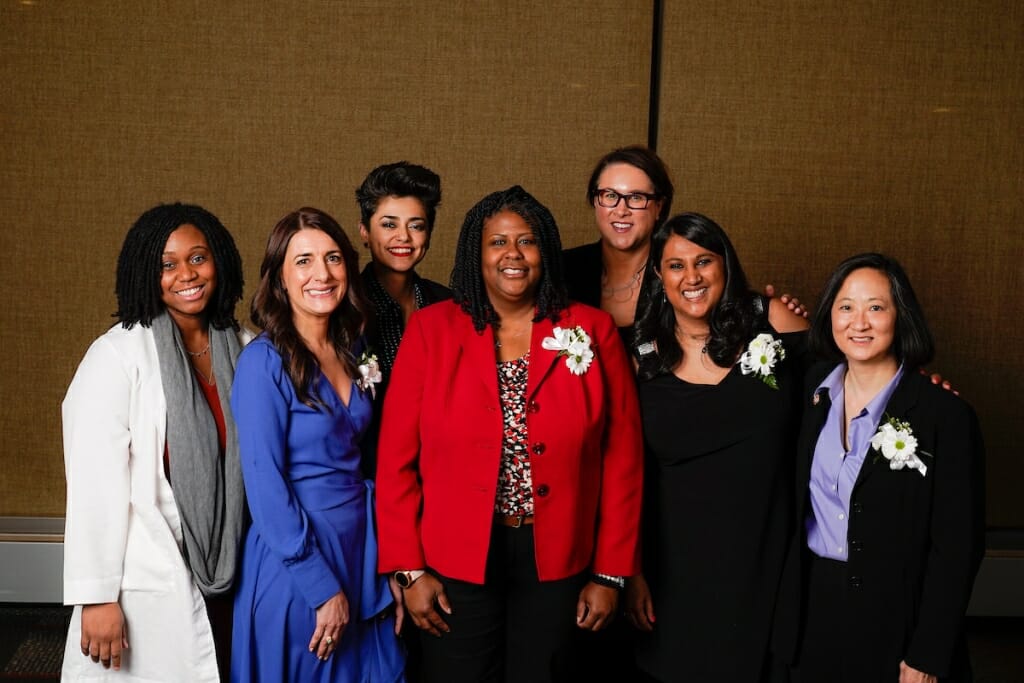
{"points": [[122, 539]]}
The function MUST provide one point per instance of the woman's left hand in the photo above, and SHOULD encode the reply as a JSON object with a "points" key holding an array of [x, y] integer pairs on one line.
{"points": [[909, 674], [331, 619], [596, 606], [396, 593]]}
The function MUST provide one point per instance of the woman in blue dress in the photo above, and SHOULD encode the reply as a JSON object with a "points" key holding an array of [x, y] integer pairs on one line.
{"points": [[310, 605]]}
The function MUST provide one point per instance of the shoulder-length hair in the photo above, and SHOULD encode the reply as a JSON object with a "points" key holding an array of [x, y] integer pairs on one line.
{"points": [[467, 280], [731, 320], [400, 179], [647, 161], [139, 297], [272, 311], [912, 345]]}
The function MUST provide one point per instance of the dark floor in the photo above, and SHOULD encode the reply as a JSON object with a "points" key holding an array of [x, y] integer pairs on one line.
{"points": [[32, 644]]}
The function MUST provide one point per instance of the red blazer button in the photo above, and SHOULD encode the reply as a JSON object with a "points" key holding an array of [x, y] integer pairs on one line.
{"points": [[542, 490]]}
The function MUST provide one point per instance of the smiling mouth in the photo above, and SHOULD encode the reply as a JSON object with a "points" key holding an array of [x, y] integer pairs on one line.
{"points": [[400, 251], [694, 294], [513, 272], [621, 227], [320, 292], [189, 293]]}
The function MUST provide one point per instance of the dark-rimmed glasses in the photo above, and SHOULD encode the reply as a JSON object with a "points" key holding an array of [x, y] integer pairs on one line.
{"points": [[609, 198]]}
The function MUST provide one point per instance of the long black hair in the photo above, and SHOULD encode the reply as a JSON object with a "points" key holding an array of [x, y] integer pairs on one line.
{"points": [[731, 320], [467, 281], [271, 309], [913, 344], [138, 266]]}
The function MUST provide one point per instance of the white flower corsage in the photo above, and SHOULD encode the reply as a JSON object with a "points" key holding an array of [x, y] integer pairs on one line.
{"points": [[896, 441], [761, 356], [369, 373], [574, 344]]}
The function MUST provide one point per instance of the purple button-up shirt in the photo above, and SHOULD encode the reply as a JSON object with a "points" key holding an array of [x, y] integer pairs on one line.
{"points": [[834, 469]]}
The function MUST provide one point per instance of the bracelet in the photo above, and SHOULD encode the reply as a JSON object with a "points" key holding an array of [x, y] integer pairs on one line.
{"points": [[609, 581]]}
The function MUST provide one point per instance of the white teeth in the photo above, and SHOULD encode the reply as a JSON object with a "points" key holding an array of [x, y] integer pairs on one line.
{"points": [[400, 250], [320, 292], [621, 226], [695, 294], [189, 292]]}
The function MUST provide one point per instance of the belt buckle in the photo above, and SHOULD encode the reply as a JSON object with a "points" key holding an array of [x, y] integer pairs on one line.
{"points": [[517, 521]]}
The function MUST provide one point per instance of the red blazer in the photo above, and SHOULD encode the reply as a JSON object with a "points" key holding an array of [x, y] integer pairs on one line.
{"points": [[441, 440]]}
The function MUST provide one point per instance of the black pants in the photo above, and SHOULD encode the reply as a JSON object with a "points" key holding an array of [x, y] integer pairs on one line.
{"points": [[513, 628]]}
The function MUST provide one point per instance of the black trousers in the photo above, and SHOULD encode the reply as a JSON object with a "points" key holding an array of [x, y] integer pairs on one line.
{"points": [[512, 629]]}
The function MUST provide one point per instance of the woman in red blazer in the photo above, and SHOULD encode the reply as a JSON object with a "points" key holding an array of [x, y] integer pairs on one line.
{"points": [[511, 465]]}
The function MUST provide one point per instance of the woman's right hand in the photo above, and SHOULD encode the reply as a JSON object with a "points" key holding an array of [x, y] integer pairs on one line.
{"points": [[639, 607], [331, 619], [104, 635], [420, 599]]}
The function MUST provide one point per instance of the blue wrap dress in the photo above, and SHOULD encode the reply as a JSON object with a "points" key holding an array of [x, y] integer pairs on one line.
{"points": [[312, 532]]}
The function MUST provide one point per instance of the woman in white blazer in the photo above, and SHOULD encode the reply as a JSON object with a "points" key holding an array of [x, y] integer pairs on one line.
{"points": [[155, 503]]}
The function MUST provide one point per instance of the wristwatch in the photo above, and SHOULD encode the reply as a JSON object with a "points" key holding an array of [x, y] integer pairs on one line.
{"points": [[404, 579]]}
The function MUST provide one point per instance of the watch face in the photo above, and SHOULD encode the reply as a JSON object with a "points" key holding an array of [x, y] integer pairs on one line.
{"points": [[402, 579]]}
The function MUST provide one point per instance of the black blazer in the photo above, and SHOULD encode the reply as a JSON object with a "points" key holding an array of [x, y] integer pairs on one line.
{"points": [[582, 270], [915, 543]]}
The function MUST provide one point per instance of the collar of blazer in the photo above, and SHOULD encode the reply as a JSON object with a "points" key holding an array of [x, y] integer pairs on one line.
{"points": [[478, 349], [900, 406]]}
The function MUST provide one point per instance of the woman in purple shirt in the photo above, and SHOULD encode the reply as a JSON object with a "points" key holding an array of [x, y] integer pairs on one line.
{"points": [[890, 502]]}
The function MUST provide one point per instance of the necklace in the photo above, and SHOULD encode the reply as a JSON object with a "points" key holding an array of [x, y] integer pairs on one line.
{"points": [[632, 284], [210, 379], [202, 352], [514, 335]]}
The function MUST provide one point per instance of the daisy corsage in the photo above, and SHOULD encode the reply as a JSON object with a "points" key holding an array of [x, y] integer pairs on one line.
{"points": [[574, 344], [895, 440], [369, 373], [762, 355]]}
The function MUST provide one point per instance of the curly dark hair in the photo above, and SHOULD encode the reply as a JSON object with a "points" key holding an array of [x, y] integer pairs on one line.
{"points": [[731, 320], [647, 161], [912, 345], [271, 309], [400, 179], [139, 266], [467, 281]]}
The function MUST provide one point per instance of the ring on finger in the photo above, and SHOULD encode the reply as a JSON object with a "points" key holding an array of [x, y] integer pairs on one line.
{"points": [[329, 640]]}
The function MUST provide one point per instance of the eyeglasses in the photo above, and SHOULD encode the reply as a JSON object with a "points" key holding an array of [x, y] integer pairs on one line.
{"points": [[609, 198]]}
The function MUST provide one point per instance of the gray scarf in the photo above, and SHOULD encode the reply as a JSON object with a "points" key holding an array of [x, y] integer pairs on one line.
{"points": [[208, 490]]}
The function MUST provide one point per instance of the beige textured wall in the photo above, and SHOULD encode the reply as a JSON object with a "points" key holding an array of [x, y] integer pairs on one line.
{"points": [[253, 109], [813, 131], [809, 130]]}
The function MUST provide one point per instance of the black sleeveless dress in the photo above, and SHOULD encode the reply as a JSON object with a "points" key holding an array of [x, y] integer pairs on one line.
{"points": [[718, 511]]}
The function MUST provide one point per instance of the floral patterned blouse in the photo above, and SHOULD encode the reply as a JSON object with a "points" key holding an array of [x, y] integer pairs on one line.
{"points": [[515, 485]]}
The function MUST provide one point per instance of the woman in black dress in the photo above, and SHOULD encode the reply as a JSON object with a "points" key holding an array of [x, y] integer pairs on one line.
{"points": [[719, 371]]}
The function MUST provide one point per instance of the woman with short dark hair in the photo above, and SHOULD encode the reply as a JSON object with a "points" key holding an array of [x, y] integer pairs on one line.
{"points": [[397, 206], [510, 464], [890, 506]]}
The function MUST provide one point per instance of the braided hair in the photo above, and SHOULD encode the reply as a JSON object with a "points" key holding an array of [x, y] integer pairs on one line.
{"points": [[139, 296], [467, 280], [271, 309], [731, 320], [400, 179]]}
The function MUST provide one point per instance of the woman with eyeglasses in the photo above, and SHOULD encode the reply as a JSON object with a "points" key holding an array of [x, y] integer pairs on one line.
{"points": [[631, 193]]}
